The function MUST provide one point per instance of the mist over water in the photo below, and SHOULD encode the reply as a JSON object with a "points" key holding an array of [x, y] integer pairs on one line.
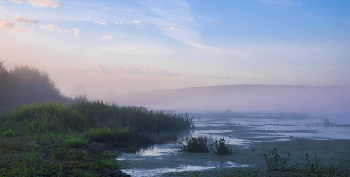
{"points": [[323, 100]]}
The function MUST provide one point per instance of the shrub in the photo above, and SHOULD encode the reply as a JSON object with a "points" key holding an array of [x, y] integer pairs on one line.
{"points": [[48, 117], [220, 147], [76, 142], [275, 161], [196, 144], [9, 133]]}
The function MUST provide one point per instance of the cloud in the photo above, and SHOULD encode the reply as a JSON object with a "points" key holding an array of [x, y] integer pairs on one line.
{"points": [[76, 32], [4, 24], [96, 69], [135, 22], [50, 27], [19, 1], [137, 49], [46, 3], [41, 3], [109, 37], [24, 30], [176, 13], [283, 2], [223, 51], [213, 77], [67, 31], [7, 14], [175, 29], [19, 18], [1, 7], [163, 72], [102, 23], [104, 70], [118, 23], [134, 71]]}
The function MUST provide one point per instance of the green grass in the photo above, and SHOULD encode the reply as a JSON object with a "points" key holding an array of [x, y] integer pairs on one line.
{"points": [[48, 117], [50, 156], [9, 133], [52, 139], [76, 142], [107, 135]]}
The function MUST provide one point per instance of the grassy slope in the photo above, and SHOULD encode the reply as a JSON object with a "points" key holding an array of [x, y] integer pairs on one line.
{"points": [[53, 139]]}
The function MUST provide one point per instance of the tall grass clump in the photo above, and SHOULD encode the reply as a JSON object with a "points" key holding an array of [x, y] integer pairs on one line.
{"points": [[48, 117], [9, 133], [108, 135], [100, 114], [76, 142], [196, 144], [219, 147], [205, 144], [275, 161]]}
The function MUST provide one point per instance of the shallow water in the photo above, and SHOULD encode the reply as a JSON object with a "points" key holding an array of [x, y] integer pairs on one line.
{"points": [[238, 129]]}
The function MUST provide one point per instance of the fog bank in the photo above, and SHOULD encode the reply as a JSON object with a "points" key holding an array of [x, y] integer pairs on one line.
{"points": [[245, 98]]}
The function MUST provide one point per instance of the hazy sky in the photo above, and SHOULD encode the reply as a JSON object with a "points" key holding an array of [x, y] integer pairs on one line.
{"points": [[112, 46]]}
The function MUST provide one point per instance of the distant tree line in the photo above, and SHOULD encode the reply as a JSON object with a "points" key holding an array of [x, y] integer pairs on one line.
{"points": [[25, 85]]}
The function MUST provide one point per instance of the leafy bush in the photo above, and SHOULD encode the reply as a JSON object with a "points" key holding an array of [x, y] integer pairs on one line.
{"points": [[48, 117], [220, 147], [275, 161], [196, 144], [9, 133], [76, 142]]}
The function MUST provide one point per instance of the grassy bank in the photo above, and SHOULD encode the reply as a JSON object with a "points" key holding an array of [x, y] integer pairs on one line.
{"points": [[80, 139]]}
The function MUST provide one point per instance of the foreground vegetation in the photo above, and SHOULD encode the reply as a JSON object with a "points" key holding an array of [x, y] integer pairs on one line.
{"points": [[53, 139]]}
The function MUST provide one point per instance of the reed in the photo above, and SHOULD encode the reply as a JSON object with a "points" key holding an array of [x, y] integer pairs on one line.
{"points": [[107, 135], [76, 142], [196, 144], [48, 117], [101, 114]]}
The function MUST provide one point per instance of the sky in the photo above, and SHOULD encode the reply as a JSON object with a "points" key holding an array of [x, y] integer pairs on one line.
{"points": [[115, 47]]}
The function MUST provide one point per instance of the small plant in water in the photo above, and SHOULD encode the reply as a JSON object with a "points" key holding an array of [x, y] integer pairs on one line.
{"points": [[315, 167], [196, 144], [205, 144], [275, 161], [220, 147], [326, 121]]}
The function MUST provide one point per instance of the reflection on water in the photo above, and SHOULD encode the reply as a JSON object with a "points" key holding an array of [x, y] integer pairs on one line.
{"points": [[181, 168], [239, 130]]}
